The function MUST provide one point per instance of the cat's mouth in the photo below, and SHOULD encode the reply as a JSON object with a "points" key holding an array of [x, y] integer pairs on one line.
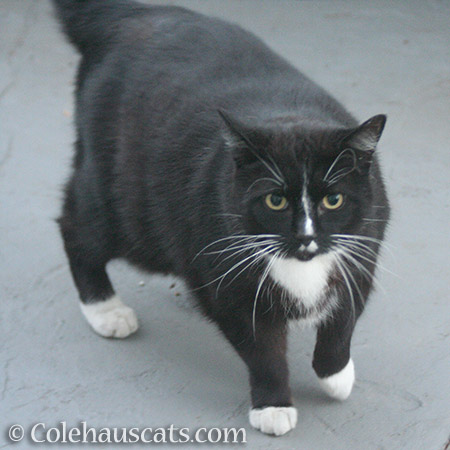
{"points": [[304, 255]]}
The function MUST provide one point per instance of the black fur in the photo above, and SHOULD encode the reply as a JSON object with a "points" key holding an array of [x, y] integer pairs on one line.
{"points": [[178, 118]]}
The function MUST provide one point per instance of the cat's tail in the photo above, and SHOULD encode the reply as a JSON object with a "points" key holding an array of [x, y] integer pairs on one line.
{"points": [[93, 24]]}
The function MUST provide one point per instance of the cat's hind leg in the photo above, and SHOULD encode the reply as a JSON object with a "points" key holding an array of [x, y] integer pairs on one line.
{"points": [[88, 252], [105, 312]]}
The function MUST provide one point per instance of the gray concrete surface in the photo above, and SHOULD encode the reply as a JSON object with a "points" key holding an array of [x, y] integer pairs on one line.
{"points": [[379, 56]]}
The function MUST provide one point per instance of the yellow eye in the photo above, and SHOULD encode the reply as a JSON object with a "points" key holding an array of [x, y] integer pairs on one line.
{"points": [[333, 201], [276, 202]]}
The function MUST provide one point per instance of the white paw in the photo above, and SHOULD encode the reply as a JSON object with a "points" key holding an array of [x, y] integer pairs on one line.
{"points": [[110, 318], [340, 384], [275, 420]]}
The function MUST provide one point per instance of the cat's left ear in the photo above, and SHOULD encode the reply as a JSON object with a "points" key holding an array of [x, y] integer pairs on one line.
{"points": [[240, 139], [365, 138]]}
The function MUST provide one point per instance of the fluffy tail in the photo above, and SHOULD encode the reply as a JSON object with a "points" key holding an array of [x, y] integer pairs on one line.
{"points": [[90, 24]]}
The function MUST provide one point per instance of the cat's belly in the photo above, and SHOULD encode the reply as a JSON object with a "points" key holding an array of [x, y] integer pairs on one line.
{"points": [[307, 284]]}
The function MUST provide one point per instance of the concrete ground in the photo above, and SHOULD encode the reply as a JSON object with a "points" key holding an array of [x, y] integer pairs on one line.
{"points": [[380, 56]]}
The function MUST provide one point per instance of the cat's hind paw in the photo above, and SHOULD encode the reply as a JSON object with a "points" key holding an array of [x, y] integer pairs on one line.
{"points": [[110, 318], [274, 419], [339, 385]]}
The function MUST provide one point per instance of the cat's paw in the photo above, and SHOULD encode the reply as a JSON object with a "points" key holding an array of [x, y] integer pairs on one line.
{"points": [[339, 385], [110, 318], [275, 420]]}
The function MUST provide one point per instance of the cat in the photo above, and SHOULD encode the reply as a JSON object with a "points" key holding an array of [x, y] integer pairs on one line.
{"points": [[202, 153]]}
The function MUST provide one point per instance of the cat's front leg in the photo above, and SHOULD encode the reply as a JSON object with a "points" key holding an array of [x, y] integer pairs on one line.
{"points": [[264, 352], [332, 362]]}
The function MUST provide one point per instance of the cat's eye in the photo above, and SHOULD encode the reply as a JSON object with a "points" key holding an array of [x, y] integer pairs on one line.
{"points": [[333, 201], [276, 202]]}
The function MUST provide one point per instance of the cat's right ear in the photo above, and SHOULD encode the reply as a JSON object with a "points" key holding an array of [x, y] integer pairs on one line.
{"points": [[238, 140], [363, 141]]}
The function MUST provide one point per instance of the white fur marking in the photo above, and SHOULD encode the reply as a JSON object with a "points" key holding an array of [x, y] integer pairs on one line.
{"points": [[110, 318], [316, 317], [275, 420], [339, 385], [304, 280], [306, 203]]}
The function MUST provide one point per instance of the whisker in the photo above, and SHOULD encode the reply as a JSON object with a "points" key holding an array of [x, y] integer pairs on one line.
{"points": [[363, 238], [264, 253], [366, 219], [343, 154], [356, 239], [375, 263], [264, 179], [263, 278], [237, 246], [238, 237], [369, 276], [278, 176], [339, 264], [235, 266], [347, 253], [227, 215], [356, 252], [239, 250], [357, 246]]}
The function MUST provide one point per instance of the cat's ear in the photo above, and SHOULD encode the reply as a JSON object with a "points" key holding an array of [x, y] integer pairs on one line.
{"points": [[366, 136], [239, 140], [363, 141], [357, 148]]}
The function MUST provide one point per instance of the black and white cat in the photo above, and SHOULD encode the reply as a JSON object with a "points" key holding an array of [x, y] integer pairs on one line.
{"points": [[204, 154]]}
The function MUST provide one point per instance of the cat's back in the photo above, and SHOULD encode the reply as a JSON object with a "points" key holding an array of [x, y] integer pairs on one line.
{"points": [[172, 51]]}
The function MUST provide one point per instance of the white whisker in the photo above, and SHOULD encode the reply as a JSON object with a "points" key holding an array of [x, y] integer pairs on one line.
{"points": [[366, 219], [357, 247], [264, 179], [238, 237], [340, 266], [369, 276], [266, 251], [263, 278]]}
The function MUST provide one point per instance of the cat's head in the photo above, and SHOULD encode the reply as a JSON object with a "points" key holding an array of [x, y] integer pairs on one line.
{"points": [[301, 186]]}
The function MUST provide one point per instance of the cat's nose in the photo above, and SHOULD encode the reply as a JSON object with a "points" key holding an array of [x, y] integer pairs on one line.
{"points": [[307, 247], [305, 239]]}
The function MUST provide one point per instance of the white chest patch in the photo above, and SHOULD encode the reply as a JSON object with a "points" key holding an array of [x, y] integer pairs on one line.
{"points": [[305, 281]]}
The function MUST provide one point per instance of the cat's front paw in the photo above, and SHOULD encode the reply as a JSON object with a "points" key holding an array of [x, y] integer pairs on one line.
{"points": [[275, 420], [110, 318], [339, 385]]}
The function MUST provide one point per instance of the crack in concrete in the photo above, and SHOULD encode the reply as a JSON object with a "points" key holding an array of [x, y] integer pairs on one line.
{"points": [[41, 397], [30, 18], [47, 274], [447, 445], [6, 380], [327, 426], [8, 152], [7, 88], [239, 410], [401, 393]]}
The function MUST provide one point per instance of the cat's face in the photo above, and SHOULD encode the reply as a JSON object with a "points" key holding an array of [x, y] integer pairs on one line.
{"points": [[301, 189]]}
